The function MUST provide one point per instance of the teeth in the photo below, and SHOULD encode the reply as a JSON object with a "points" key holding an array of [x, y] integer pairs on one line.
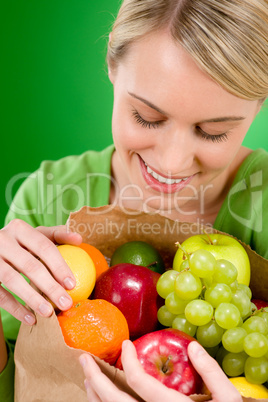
{"points": [[160, 178], [170, 181]]}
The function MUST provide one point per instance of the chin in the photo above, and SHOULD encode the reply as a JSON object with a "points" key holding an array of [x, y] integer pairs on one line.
{"points": [[161, 204]]}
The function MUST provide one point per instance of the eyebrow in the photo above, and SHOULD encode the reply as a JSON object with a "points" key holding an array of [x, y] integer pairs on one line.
{"points": [[222, 119], [147, 103], [213, 120]]}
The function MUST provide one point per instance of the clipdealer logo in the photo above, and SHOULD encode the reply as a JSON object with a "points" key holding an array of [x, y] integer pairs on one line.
{"points": [[51, 197], [133, 225], [254, 196]]}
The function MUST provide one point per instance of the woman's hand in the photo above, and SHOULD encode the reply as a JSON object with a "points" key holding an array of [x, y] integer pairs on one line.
{"points": [[33, 253], [100, 388]]}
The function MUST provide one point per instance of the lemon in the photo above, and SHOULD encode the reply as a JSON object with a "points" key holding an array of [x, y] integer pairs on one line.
{"points": [[83, 269], [139, 253], [248, 389]]}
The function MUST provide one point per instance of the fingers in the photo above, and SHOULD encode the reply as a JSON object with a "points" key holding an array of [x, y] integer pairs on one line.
{"points": [[98, 386], [14, 254], [148, 387], [48, 254], [36, 272], [91, 394], [20, 244], [14, 307], [212, 375], [25, 236]]}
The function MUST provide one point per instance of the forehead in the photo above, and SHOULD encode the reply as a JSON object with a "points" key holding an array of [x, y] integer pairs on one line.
{"points": [[158, 55], [160, 70]]}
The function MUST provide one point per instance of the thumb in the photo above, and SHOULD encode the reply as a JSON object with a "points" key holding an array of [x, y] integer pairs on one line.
{"points": [[60, 234], [218, 384]]}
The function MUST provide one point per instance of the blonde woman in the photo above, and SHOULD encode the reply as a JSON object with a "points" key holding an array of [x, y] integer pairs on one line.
{"points": [[189, 78]]}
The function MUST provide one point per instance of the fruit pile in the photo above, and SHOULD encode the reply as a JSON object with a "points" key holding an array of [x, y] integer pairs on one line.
{"points": [[119, 302], [206, 296], [204, 299]]}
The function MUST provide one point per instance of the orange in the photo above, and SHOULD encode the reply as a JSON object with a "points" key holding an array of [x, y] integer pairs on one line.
{"points": [[83, 269], [96, 326], [98, 258]]}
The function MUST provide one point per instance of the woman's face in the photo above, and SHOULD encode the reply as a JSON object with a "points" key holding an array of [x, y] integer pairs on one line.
{"points": [[176, 131]]}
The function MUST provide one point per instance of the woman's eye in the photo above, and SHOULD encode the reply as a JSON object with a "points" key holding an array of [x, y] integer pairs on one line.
{"points": [[155, 124], [212, 137], [145, 123]]}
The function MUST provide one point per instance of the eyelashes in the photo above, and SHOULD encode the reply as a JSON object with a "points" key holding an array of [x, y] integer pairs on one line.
{"points": [[145, 123], [156, 124], [211, 137]]}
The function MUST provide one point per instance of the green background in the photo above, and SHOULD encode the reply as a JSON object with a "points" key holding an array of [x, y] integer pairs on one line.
{"points": [[56, 96]]}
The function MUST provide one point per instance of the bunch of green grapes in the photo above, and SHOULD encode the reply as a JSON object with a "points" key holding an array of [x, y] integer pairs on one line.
{"points": [[205, 300]]}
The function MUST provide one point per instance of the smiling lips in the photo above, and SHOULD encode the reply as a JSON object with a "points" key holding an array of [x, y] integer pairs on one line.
{"points": [[161, 183]]}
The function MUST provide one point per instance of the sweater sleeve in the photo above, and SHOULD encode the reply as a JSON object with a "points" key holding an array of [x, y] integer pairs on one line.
{"points": [[26, 203], [57, 188], [244, 212]]}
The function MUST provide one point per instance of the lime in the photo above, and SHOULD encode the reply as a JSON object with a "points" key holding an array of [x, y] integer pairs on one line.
{"points": [[139, 253]]}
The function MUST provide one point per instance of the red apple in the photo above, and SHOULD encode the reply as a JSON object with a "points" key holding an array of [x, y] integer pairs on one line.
{"points": [[132, 288], [259, 303], [163, 355]]}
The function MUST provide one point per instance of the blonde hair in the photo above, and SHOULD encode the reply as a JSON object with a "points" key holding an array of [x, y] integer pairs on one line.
{"points": [[226, 38]]}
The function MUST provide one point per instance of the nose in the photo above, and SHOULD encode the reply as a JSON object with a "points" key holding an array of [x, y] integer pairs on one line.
{"points": [[177, 153]]}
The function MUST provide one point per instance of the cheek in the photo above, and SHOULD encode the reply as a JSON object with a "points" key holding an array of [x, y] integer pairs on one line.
{"points": [[218, 156], [128, 135], [215, 161]]}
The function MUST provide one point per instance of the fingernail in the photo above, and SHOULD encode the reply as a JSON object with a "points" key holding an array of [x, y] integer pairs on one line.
{"points": [[82, 361], [196, 349], [69, 283], [29, 319], [124, 344], [76, 234], [65, 301], [45, 309]]}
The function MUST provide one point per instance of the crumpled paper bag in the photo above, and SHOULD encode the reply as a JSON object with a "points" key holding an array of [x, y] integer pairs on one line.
{"points": [[47, 370]]}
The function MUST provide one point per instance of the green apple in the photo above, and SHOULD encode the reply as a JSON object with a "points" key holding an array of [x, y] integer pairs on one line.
{"points": [[221, 246]]}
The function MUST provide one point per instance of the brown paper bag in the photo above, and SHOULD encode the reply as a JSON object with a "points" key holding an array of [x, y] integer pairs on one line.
{"points": [[47, 370]]}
